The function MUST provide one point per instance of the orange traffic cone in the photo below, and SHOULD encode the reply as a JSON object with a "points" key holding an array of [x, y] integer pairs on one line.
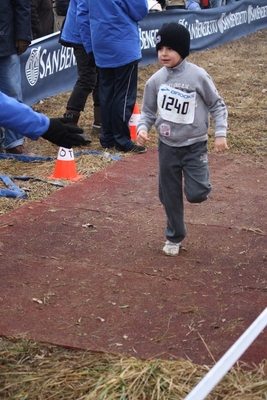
{"points": [[65, 166], [133, 122]]}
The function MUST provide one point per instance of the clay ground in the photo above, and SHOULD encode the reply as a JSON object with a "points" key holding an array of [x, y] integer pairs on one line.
{"points": [[83, 268]]}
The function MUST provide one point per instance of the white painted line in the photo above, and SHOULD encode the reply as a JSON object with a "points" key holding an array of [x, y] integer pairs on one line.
{"points": [[217, 372]]}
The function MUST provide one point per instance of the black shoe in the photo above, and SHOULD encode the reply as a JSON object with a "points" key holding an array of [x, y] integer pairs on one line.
{"points": [[138, 149]]}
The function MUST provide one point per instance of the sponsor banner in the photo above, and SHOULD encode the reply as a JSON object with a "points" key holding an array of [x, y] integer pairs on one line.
{"points": [[49, 68]]}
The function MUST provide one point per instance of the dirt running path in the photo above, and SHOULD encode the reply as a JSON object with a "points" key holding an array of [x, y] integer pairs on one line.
{"points": [[84, 267]]}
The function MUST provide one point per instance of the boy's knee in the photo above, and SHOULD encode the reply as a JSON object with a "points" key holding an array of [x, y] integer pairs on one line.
{"points": [[198, 197]]}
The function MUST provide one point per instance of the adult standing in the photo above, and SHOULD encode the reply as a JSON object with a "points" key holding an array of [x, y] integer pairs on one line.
{"points": [[15, 38], [117, 51], [76, 34], [42, 18]]}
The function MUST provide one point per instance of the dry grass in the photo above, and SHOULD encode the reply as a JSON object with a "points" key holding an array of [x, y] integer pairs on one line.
{"points": [[34, 371]]}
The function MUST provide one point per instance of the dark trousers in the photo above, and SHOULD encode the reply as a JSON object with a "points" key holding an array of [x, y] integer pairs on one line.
{"points": [[118, 89], [86, 82], [178, 164]]}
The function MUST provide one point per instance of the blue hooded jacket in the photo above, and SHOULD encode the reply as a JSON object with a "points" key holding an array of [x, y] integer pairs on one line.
{"points": [[115, 31], [76, 28]]}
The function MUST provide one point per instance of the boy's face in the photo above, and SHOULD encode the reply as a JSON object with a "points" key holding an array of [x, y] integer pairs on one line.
{"points": [[169, 57]]}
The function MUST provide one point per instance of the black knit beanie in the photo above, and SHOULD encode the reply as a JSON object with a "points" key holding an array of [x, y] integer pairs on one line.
{"points": [[175, 36]]}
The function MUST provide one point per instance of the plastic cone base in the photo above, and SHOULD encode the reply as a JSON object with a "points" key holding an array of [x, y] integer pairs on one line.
{"points": [[65, 170]]}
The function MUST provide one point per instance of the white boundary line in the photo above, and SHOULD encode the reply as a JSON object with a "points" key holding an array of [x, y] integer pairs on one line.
{"points": [[217, 372]]}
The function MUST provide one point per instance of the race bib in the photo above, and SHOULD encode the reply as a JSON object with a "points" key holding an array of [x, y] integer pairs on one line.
{"points": [[175, 105]]}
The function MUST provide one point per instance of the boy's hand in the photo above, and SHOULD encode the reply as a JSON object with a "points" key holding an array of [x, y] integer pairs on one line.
{"points": [[220, 144], [142, 138]]}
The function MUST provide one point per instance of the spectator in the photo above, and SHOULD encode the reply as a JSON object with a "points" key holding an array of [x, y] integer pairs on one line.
{"points": [[193, 5], [15, 27], [23, 119], [217, 3], [60, 8], [42, 18], [179, 99], [75, 24], [117, 51]]}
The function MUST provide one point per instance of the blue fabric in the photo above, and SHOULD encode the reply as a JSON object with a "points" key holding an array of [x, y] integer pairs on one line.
{"points": [[192, 5], [115, 31], [76, 29], [21, 118], [13, 190], [10, 84]]}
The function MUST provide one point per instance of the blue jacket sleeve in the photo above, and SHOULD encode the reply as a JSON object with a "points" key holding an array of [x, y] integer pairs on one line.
{"points": [[21, 118]]}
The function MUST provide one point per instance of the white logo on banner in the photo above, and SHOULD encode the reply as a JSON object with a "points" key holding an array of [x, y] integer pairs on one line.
{"points": [[42, 63], [32, 66]]}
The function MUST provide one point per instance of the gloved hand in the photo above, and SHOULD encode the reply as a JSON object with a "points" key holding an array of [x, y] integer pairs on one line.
{"points": [[64, 135], [21, 46]]}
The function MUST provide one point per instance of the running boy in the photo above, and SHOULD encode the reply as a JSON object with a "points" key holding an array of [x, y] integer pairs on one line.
{"points": [[178, 100]]}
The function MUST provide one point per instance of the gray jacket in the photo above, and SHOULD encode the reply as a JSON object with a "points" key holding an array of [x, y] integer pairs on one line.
{"points": [[185, 81]]}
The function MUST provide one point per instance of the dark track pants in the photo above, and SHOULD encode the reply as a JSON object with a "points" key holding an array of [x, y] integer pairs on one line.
{"points": [[182, 166], [118, 89]]}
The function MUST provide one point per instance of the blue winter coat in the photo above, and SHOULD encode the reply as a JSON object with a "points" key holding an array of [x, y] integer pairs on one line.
{"points": [[21, 118], [15, 24], [192, 5], [115, 31], [76, 29]]}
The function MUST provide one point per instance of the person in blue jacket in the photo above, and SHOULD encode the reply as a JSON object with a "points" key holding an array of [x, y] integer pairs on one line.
{"points": [[193, 5], [23, 120], [15, 38], [76, 34], [117, 50]]}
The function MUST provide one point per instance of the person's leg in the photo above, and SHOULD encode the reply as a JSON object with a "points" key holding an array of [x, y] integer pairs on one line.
{"points": [[84, 85], [97, 124], [106, 95], [10, 84], [196, 173], [125, 91], [171, 190]]}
